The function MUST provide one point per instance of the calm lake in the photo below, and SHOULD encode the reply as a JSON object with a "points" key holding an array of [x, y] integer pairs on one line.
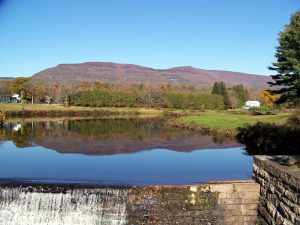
{"points": [[119, 151]]}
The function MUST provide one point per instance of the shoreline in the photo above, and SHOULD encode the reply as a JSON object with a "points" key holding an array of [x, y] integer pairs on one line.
{"points": [[65, 113], [223, 123], [43, 111]]}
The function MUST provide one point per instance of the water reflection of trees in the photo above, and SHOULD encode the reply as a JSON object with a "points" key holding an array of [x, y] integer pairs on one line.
{"points": [[21, 138], [107, 136], [133, 128]]}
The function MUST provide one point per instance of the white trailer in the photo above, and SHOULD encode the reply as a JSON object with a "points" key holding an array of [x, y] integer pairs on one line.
{"points": [[251, 104]]}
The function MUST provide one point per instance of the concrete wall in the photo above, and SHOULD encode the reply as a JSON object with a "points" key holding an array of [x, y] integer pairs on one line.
{"points": [[280, 192], [232, 203]]}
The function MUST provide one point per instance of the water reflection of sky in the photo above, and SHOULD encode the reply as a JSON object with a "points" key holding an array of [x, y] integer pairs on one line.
{"points": [[157, 166]]}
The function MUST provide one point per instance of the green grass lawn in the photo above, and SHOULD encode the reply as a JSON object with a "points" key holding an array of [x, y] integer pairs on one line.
{"points": [[227, 120]]}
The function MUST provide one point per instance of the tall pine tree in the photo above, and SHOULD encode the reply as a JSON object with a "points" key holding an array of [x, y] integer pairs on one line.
{"points": [[288, 63]]}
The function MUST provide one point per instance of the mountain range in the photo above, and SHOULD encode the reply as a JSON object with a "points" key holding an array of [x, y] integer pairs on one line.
{"points": [[106, 72], [7, 78]]}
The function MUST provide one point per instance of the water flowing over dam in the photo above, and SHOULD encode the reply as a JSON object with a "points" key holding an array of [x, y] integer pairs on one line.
{"points": [[28, 206]]}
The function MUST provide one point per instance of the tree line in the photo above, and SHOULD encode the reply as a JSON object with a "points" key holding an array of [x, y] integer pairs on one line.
{"points": [[128, 95], [34, 91], [149, 96], [167, 96]]}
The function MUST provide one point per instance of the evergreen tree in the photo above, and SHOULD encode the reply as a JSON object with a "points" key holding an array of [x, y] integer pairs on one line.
{"points": [[219, 88], [227, 102], [241, 93], [223, 90], [288, 63], [216, 89]]}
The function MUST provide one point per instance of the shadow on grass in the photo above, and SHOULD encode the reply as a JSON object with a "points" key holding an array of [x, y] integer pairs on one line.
{"points": [[272, 139]]}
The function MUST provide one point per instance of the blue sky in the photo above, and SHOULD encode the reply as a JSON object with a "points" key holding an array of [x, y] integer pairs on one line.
{"points": [[236, 35]]}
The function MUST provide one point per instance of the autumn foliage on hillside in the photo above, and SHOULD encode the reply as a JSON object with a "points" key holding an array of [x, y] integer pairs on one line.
{"points": [[116, 73]]}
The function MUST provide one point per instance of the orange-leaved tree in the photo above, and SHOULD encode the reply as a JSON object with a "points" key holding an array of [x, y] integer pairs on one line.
{"points": [[269, 99]]}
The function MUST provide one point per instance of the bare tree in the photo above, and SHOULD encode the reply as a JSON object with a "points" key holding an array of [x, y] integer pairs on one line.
{"points": [[151, 97]]}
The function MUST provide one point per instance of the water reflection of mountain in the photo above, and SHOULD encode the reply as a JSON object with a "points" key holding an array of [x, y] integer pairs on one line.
{"points": [[108, 136]]}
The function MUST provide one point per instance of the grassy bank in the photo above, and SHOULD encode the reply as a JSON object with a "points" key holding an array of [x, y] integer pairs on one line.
{"points": [[225, 122], [41, 110]]}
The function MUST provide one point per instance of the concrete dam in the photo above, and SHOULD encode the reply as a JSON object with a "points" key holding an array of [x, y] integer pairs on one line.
{"points": [[272, 197]]}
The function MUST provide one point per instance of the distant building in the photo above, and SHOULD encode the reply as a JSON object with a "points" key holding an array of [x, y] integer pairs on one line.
{"points": [[46, 100], [10, 98], [251, 104], [17, 97]]}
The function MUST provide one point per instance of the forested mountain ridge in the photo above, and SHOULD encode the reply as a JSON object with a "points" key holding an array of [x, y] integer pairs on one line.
{"points": [[128, 73]]}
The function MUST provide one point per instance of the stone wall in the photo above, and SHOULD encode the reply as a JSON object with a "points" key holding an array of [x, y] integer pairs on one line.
{"points": [[232, 203], [223, 203], [280, 191]]}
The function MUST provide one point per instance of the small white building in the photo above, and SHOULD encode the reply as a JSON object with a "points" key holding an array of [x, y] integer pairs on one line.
{"points": [[251, 104], [17, 97]]}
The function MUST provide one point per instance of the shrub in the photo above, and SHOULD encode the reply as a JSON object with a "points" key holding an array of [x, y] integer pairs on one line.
{"points": [[194, 101], [263, 111], [294, 120], [104, 98], [272, 139]]}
